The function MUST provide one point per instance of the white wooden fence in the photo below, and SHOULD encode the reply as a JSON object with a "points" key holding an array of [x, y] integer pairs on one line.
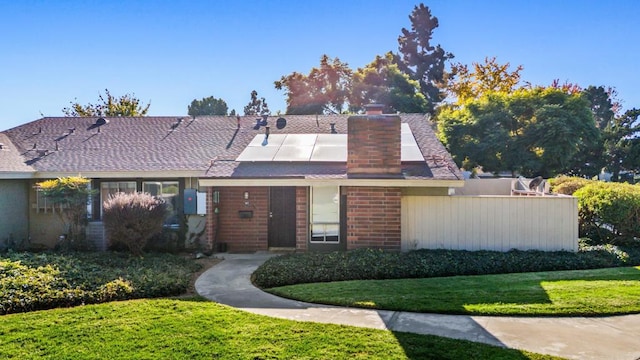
{"points": [[501, 223]]}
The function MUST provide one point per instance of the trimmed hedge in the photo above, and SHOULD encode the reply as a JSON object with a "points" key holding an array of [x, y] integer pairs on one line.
{"points": [[370, 264], [610, 210], [567, 185], [31, 281]]}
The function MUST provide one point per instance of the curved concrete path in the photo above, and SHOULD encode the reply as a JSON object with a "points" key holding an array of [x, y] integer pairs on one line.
{"points": [[615, 337]]}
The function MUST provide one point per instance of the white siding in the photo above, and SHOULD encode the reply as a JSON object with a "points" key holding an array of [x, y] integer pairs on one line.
{"points": [[501, 223]]}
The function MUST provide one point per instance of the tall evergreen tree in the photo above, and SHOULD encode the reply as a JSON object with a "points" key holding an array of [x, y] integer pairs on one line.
{"points": [[421, 60]]}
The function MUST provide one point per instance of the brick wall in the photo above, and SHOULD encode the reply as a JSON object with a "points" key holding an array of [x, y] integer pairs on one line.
{"points": [[211, 224], [96, 237], [239, 234], [373, 217], [302, 218], [373, 144]]}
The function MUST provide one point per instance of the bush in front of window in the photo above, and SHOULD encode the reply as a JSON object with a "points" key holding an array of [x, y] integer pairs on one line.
{"points": [[131, 219]]}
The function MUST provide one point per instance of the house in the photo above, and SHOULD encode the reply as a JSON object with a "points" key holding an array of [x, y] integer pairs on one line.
{"points": [[303, 182]]}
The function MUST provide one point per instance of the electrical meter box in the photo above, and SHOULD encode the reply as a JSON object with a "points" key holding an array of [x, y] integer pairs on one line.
{"points": [[190, 201]]}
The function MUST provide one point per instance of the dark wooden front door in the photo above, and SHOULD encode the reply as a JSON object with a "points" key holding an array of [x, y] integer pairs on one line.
{"points": [[282, 217]]}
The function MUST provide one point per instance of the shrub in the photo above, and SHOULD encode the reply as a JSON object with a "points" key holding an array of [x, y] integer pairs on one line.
{"points": [[48, 280], [368, 264], [567, 185], [71, 194], [610, 209], [132, 219]]}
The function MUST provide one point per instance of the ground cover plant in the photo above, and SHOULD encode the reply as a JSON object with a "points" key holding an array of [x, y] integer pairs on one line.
{"points": [[370, 264], [560, 293], [191, 329], [34, 281]]}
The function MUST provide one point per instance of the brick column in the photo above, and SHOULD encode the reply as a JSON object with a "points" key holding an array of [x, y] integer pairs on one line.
{"points": [[302, 218], [373, 217], [211, 223], [373, 145]]}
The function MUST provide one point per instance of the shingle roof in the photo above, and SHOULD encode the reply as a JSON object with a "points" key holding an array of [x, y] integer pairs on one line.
{"points": [[207, 145], [11, 162]]}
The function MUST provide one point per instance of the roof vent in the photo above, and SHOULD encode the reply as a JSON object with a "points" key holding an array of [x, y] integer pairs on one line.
{"points": [[281, 123], [333, 128], [257, 126], [71, 130], [101, 121], [2, 146], [42, 152]]}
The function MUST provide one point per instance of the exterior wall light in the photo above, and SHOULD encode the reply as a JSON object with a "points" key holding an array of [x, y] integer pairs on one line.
{"points": [[246, 195]]}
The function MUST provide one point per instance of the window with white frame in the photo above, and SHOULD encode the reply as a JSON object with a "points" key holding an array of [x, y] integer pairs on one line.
{"points": [[325, 214], [167, 191], [113, 187]]}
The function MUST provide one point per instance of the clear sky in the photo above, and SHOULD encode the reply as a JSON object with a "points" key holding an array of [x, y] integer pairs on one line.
{"points": [[171, 52]]}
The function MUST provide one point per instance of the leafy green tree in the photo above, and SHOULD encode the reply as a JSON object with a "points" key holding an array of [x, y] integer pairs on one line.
{"points": [[621, 144], [208, 106], [256, 106], [465, 84], [382, 82], [421, 60], [70, 195], [324, 91], [109, 105], [530, 131], [618, 148]]}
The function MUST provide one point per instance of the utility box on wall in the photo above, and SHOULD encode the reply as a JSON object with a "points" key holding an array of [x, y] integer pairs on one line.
{"points": [[202, 203], [190, 201]]}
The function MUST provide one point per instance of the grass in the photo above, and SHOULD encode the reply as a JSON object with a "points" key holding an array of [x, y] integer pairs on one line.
{"points": [[561, 293], [193, 329]]}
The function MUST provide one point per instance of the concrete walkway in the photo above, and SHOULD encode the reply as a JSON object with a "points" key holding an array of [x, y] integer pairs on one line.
{"points": [[615, 337]]}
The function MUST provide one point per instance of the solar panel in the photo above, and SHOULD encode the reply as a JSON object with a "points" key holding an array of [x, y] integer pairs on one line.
{"points": [[258, 153], [300, 140], [273, 140], [411, 153], [324, 153], [316, 147], [293, 153]]}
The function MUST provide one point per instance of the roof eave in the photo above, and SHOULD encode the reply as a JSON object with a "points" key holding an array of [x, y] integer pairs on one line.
{"points": [[335, 182], [17, 174], [121, 174]]}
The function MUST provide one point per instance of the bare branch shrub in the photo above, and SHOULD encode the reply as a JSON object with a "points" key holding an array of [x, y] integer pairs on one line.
{"points": [[131, 219]]}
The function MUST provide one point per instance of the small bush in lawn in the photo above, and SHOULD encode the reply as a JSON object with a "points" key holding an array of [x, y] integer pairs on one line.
{"points": [[132, 219]]}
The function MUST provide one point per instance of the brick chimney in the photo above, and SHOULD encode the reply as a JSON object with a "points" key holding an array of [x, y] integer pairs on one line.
{"points": [[373, 143]]}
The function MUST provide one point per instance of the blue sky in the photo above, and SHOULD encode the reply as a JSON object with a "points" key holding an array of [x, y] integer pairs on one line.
{"points": [[171, 52]]}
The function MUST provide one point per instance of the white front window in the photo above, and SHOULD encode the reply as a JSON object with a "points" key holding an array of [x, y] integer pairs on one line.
{"points": [[113, 187], [325, 214], [167, 191]]}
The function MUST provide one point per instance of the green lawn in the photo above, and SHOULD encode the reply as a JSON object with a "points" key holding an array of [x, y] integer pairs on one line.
{"points": [[193, 329], [560, 293]]}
